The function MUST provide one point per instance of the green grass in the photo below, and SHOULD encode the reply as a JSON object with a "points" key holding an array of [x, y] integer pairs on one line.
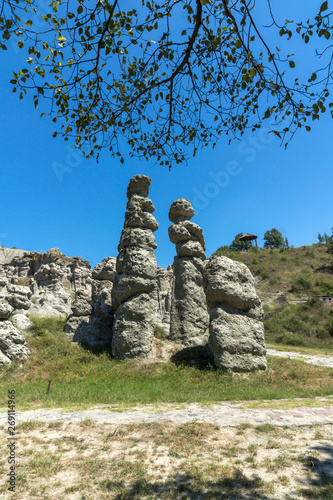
{"points": [[81, 378], [308, 325], [299, 271]]}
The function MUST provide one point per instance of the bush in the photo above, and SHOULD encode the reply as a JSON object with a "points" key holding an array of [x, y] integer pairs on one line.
{"points": [[326, 287], [160, 332], [302, 284], [329, 326], [292, 339]]}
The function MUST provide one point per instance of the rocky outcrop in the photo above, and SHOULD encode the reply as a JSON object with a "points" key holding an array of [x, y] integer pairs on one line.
{"points": [[189, 315], [91, 320], [12, 344], [134, 290], [236, 332]]}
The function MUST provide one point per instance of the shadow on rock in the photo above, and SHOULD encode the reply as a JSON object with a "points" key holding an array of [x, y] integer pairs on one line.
{"points": [[198, 356]]}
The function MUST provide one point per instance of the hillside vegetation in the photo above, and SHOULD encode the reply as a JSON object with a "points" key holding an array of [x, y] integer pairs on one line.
{"points": [[291, 284]]}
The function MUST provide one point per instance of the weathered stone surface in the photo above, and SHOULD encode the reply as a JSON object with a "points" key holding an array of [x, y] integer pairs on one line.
{"points": [[137, 237], [138, 261], [139, 184], [19, 296], [46, 303], [126, 287], [106, 270], [5, 309], [21, 322], [163, 292], [133, 327], [89, 330], [134, 291], [12, 343], [180, 210], [190, 249], [236, 332], [189, 314], [231, 283]]}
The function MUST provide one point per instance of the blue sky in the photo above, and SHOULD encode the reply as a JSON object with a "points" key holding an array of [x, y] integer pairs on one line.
{"points": [[52, 197]]}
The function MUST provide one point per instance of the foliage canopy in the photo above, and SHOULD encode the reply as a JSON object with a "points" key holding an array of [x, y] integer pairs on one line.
{"points": [[167, 78], [273, 239]]}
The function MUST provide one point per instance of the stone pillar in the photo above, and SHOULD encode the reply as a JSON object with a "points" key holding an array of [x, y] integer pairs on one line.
{"points": [[134, 290], [189, 315], [236, 330]]}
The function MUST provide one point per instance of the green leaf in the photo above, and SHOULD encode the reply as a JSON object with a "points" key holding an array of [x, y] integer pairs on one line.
{"points": [[292, 64], [324, 6]]}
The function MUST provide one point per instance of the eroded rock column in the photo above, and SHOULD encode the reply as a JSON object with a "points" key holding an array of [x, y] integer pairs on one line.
{"points": [[189, 316], [134, 290], [236, 332]]}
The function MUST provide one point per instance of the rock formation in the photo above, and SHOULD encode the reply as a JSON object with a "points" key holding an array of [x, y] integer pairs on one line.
{"points": [[12, 344], [189, 315], [236, 332], [92, 315], [134, 290]]}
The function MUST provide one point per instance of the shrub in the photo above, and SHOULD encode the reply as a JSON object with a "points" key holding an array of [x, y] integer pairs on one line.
{"points": [[326, 287], [160, 332], [302, 284], [329, 326], [292, 339]]}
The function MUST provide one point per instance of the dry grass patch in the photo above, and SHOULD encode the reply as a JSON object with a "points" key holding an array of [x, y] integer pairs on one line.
{"points": [[171, 462]]}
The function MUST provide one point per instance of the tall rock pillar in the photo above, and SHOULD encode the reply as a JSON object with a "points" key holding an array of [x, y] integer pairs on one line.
{"points": [[133, 293], [189, 315]]}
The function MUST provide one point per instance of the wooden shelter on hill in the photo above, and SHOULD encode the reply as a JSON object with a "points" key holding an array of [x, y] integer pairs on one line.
{"points": [[248, 240]]}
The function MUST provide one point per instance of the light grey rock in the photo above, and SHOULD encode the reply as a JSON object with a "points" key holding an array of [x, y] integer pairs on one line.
{"points": [[139, 213], [4, 360], [231, 283], [12, 343], [134, 296], [137, 237], [139, 184], [236, 332], [127, 286], [19, 296], [47, 303], [89, 330], [5, 309], [81, 306], [189, 315], [190, 249], [180, 210], [137, 261], [21, 322], [106, 270], [133, 327], [164, 297]]}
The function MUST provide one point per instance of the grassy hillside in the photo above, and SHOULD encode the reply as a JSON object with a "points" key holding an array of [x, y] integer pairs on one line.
{"points": [[80, 378], [286, 276]]}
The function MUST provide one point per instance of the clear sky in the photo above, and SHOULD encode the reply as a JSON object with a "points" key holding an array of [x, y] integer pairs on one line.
{"points": [[52, 197]]}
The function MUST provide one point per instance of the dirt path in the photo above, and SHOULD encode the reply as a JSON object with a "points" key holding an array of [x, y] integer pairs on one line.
{"points": [[308, 358], [226, 414]]}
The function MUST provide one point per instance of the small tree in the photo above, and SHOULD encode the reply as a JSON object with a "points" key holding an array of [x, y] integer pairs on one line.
{"points": [[286, 243], [321, 239], [329, 243], [236, 244], [273, 239]]}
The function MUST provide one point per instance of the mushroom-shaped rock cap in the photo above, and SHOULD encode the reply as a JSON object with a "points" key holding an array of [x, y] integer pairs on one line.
{"points": [[139, 184], [180, 210]]}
